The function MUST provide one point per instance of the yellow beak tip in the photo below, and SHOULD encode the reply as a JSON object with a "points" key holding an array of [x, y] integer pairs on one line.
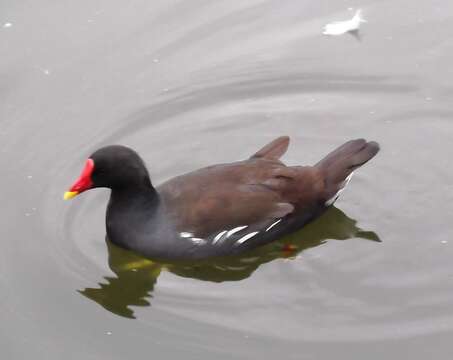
{"points": [[69, 195]]}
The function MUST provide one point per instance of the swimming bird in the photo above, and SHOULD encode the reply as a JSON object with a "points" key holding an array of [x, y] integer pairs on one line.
{"points": [[219, 210]]}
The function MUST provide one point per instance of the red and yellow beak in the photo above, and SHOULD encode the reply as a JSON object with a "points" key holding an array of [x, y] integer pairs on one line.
{"points": [[70, 194], [83, 183]]}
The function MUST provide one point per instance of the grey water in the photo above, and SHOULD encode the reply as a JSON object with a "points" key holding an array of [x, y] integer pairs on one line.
{"points": [[193, 83]]}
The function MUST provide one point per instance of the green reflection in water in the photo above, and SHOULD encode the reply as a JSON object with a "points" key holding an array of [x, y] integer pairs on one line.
{"points": [[137, 276]]}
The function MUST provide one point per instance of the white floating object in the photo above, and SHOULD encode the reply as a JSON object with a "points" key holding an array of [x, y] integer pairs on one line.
{"points": [[43, 70], [343, 27], [7, 25]]}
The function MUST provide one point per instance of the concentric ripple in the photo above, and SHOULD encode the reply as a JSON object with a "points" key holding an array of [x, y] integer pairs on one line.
{"points": [[340, 283]]}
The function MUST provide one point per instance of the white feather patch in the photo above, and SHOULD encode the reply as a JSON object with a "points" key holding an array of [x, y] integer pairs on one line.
{"points": [[347, 180], [273, 224], [335, 197], [185, 234], [219, 236], [343, 27], [235, 230], [246, 237]]}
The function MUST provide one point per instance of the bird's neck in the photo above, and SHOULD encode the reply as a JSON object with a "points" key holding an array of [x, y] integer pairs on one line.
{"points": [[134, 198], [130, 208]]}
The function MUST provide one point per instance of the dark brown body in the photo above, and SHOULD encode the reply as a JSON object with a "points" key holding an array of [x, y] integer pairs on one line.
{"points": [[228, 208], [241, 193]]}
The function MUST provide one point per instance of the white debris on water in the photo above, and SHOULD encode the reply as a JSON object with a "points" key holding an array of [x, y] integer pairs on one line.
{"points": [[156, 60], [109, 333], [444, 242], [343, 27], [43, 70], [7, 25]]}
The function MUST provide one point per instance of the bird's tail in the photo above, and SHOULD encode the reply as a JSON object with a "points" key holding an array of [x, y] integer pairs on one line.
{"points": [[337, 167]]}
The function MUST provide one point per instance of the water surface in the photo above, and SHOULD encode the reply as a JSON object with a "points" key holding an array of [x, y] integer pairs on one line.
{"points": [[192, 83]]}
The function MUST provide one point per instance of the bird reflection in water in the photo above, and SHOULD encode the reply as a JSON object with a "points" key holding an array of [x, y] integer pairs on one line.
{"points": [[136, 276]]}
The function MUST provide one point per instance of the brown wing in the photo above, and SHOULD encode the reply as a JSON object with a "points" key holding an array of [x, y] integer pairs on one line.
{"points": [[254, 191], [274, 150], [223, 197]]}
